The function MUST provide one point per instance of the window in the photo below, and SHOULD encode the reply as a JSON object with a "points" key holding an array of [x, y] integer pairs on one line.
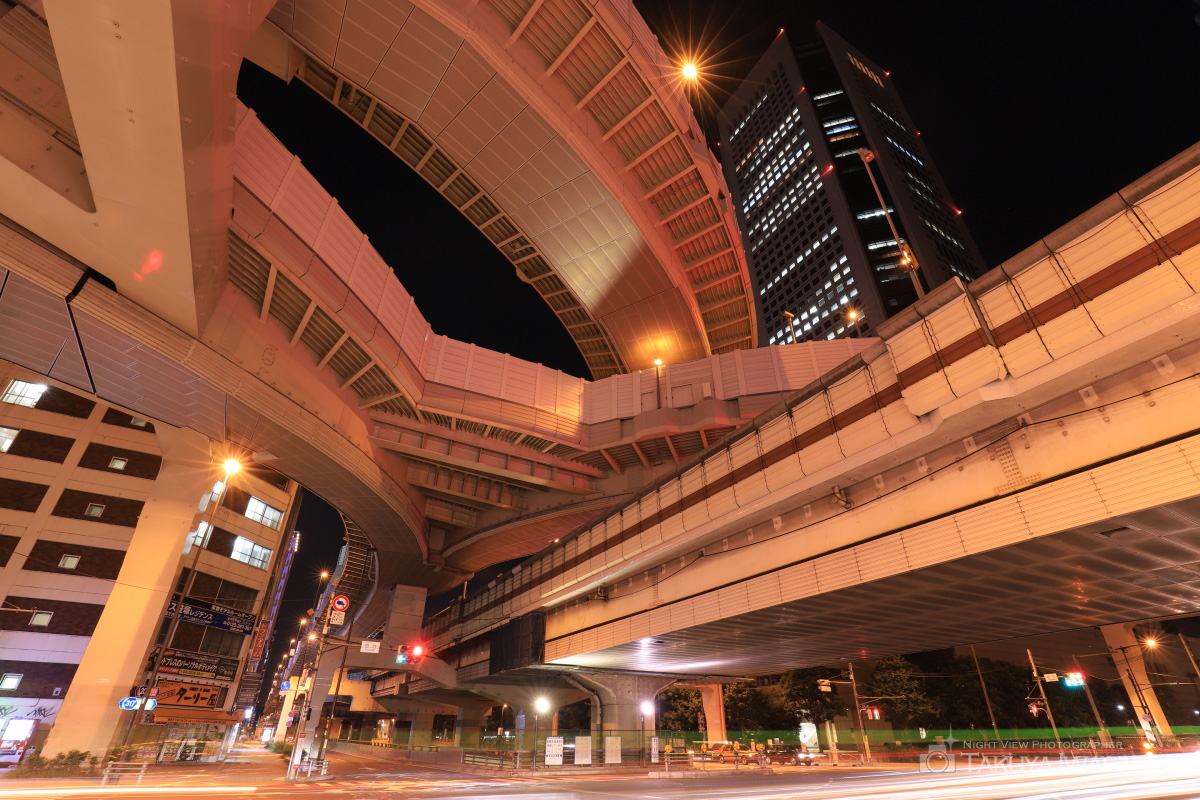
{"points": [[68, 562], [6, 438], [221, 643], [212, 496], [250, 553], [10, 680], [259, 511], [237, 596], [118, 463], [198, 537], [22, 393], [94, 510], [137, 422], [40, 619]]}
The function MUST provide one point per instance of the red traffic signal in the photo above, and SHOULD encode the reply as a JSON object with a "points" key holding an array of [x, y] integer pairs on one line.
{"points": [[1073, 679]]}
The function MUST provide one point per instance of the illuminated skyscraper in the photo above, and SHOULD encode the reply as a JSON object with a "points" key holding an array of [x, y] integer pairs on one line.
{"points": [[817, 241]]}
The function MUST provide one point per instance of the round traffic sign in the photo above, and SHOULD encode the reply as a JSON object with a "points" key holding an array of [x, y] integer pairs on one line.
{"points": [[341, 603]]}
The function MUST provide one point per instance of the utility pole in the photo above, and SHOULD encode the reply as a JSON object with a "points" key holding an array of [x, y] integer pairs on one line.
{"points": [[907, 258], [1101, 731], [987, 700], [858, 720], [1045, 702]]}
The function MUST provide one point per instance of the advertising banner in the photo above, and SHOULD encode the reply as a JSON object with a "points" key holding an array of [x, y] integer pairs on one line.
{"points": [[215, 616], [190, 695], [260, 641], [197, 665]]}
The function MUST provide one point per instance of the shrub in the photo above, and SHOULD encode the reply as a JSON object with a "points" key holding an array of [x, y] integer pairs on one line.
{"points": [[76, 763]]}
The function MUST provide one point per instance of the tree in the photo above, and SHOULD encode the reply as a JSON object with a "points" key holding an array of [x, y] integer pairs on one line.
{"points": [[679, 709], [805, 699], [906, 704]]}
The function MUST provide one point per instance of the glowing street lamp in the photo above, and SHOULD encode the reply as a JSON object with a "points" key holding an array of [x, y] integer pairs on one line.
{"points": [[540, 706], [690, 72]]}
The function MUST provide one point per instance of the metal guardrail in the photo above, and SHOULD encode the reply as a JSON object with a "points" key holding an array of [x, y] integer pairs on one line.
{"points": [[309, 766], [115, 772]]}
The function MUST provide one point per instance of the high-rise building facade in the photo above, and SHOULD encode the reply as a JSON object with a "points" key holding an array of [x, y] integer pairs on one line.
{"points": [[817, 240], [101, 512]]}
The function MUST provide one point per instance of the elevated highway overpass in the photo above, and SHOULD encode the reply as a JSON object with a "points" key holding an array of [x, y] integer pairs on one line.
{"points": [[161, 250], [184, 265], [1014, 456]]}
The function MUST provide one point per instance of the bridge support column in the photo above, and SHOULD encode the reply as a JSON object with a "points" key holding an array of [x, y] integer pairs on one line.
{"points": [[1129, 654], [421, 732], [320, 687], [713, 699], [621, 698], [90, 718], [406, 612], [468, 726]]}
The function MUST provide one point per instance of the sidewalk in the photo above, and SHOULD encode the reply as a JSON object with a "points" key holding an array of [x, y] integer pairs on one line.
{"points": [[246, 765]]}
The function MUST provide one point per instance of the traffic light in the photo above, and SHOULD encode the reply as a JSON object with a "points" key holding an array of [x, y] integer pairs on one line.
{"points": [[1034, 708], [874, 713], [409, 653], [824, 685], [1073, 679]]}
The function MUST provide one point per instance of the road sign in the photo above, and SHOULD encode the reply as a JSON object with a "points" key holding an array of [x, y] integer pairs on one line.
{"points": [[285, 685], [154, 692], [141, 691], [341, 603], [132, 703], [369, 646], [337, 617]]}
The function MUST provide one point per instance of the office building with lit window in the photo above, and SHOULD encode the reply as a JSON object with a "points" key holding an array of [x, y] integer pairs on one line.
{"points": [[818, 243], [102, 512]]}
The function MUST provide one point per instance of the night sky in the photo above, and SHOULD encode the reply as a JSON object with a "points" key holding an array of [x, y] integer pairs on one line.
{"points": [[1033, 112]]}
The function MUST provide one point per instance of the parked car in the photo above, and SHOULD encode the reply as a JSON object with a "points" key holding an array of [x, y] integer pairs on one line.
{"points": [[793, 754], [727, 752]]}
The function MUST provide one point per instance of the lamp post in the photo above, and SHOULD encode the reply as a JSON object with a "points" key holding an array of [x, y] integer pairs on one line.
{"points": [[855, 315], [230, 466], [907, 257], [791, 318], [647, 708], [540, 706]]}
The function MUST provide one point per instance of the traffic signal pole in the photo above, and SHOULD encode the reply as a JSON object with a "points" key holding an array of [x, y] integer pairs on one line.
{"points": [[1101, 731], [1045, 702]]}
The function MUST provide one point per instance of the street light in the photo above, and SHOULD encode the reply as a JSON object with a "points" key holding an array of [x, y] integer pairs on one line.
{"points": [[540, 706], [907, 258], [690, 72], [855, 315], [657, 383], [647, 709], [791, 318]]}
